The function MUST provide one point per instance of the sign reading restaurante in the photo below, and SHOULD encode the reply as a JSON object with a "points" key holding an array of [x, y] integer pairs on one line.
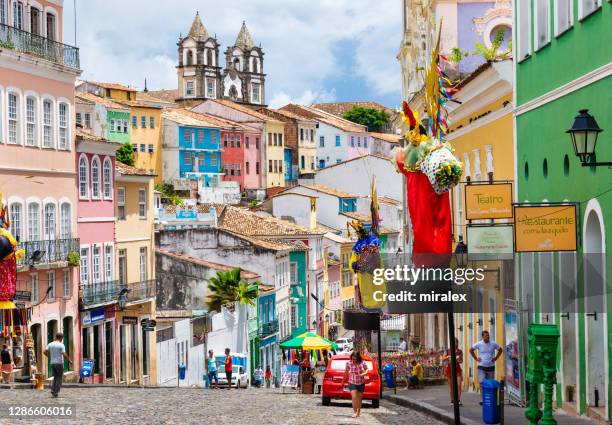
{"points": [[545, 228], [488, 201]]}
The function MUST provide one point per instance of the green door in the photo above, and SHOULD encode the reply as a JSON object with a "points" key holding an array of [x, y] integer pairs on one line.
{"points": [[66, 328], [51, 331]]}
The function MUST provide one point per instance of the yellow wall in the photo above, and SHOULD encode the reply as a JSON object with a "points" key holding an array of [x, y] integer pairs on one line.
{"points": [[346, 292], [147, 136], [499, 135], [121, 94], [275, 153]]}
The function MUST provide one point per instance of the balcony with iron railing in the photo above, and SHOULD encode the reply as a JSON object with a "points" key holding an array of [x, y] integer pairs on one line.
{"points": [[100, 293], [12, 38], [268, 328], [49, 252]]}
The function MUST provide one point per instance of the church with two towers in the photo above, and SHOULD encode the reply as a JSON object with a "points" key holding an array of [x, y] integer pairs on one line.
{"points": [[201, 77]]}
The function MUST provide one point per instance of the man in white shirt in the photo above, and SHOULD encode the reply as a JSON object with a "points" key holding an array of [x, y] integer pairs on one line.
{"points": [[488, 353], [57, 353], [402, 346]]}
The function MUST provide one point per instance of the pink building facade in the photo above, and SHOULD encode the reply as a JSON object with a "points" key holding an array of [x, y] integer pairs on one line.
{"points": [[358, 144], [38, 176], [95, 164]]}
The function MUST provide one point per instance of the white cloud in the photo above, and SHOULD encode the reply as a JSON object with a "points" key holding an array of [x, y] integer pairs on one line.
{"points": [[308, 97], [129, 41]]}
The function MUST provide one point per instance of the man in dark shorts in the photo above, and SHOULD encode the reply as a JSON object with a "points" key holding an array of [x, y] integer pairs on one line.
{"points": [[228, 368]]}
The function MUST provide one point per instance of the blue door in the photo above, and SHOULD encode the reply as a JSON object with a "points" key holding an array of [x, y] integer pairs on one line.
{"points": [[321, 163], [288, 165]]}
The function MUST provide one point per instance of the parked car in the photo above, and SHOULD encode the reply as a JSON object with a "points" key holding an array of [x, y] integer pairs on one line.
{"points": [[344, 344], [239, 377], [332, 381]]}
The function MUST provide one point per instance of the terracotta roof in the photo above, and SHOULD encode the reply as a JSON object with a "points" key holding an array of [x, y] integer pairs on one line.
{"points": [[387, 137], [114, 86], [332, 262], [329, 190], [266, 288], [139, 103], [325, 117], [225, 122], [288, 115], [284, 192], [482, 68], [337, 238], [387, 200], [82, 134], [244, 40], [108, 103], [340, 108], [270, 244], [327, 229], [197, 30], [200, 208], [165, 95], [387, 231], [245, 222], [246, 110], [187, 117], [148, 98], [246, 274], [359, 216], [128, 170]]}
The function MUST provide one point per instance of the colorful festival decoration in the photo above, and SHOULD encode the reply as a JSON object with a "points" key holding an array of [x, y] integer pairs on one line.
{"points": [[9, 254], [429, 165], [366, 255]]}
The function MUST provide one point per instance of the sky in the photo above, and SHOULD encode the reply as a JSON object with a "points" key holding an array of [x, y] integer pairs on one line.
{"points": [[315, 50]]}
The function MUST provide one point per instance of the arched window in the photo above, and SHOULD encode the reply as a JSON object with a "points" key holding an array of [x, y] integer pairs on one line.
{"points": [[95, 178], [65, 221], [47, 124], [16, 217], [189, 57], [255, 65], [63, 126], [83, 179], [233, 93], [31, 120], [49, 221], [34, 221], [209, 57], [237, 64], [108, 179], [13, 118]]}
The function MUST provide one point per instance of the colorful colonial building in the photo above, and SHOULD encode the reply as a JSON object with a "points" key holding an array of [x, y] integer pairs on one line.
{"points": [[38, 178]]}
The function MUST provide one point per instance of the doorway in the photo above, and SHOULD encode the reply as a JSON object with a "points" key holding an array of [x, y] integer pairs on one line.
{"points": [[67, 331], [51, 332], [122, 356], [567, 322], [595, 308]]}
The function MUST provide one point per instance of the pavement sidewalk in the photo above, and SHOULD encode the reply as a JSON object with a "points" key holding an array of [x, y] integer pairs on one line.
{"points": [[435, 401]]}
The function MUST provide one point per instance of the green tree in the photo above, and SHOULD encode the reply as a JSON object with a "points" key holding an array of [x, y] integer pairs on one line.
{"points": [[373, 118], [493, 53], [125, 154], [227, 288]]}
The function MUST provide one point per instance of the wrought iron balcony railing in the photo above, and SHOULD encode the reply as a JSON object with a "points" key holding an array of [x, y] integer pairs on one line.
{"points": [[22, 41], [113, 291], [47, 252], [268, 328], [99, 292]]}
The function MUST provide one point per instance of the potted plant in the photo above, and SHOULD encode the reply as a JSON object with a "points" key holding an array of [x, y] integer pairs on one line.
{"points": [[73, 258]]}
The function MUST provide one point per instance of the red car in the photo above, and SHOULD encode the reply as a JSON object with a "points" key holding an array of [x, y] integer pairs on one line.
{"points": [[332, 381]]}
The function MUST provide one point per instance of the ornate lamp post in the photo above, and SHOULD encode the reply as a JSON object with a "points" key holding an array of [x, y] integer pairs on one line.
{"points": [[584, 133]]}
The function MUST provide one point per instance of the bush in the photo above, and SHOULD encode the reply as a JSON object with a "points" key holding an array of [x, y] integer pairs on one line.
{"points": [[73, 258], [125, 154]]}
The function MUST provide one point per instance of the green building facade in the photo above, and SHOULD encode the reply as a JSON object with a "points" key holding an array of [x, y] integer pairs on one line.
{"points": [[118, 126], [298, 293], [563, 65]]}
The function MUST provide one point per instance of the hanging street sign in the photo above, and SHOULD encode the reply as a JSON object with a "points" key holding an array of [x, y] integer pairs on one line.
{"points": [[545, 228], [490, 242], [488, 201]]}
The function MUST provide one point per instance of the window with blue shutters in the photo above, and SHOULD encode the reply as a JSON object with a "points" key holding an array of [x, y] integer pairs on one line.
{"points": [[337, 140], [134, 121]]}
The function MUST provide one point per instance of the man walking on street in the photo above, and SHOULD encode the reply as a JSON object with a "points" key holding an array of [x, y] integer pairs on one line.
{"points": [[228, 369], [487, 356], [57, 353], [211, 367]]}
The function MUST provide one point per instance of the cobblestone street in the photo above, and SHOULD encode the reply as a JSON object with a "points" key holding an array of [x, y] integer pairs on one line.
{"points": [[100, 405]]}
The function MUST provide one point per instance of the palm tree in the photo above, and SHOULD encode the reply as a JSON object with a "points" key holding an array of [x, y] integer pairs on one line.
{"points": [[227, 288]]}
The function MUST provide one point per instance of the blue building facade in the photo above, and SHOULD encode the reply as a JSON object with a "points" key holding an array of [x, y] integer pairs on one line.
{"points": [[200, 154], [268, 332]]}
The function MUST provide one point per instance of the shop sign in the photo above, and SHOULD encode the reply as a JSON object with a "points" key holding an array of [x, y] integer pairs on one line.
{"points": [[186, 214], [22, 296], [545, 228], [490, 242], [488, 201], [91, 317], [130, 320], [87, 368]]}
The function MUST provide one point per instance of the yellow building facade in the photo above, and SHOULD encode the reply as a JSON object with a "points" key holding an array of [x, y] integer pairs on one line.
{"points": [[481, 134], [146, 124], [347, 277], [135, 270], [275, 153]]}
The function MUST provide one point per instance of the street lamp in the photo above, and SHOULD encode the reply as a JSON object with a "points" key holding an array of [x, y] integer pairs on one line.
{"points": [[584, 134], [461, 253]]}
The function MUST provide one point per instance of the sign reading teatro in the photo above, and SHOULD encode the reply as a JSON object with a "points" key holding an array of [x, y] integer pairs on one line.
{"points": [[545, 228], [488, 201]]}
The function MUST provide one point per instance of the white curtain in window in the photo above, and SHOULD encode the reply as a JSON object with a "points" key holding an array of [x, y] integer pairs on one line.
{"points": [[34, 222], [50, 221], [83, 178], [66, 221], [15, 213]]}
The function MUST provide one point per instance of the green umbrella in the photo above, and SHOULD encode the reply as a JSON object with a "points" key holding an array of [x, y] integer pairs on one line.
{"points": [[309, 341]]}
